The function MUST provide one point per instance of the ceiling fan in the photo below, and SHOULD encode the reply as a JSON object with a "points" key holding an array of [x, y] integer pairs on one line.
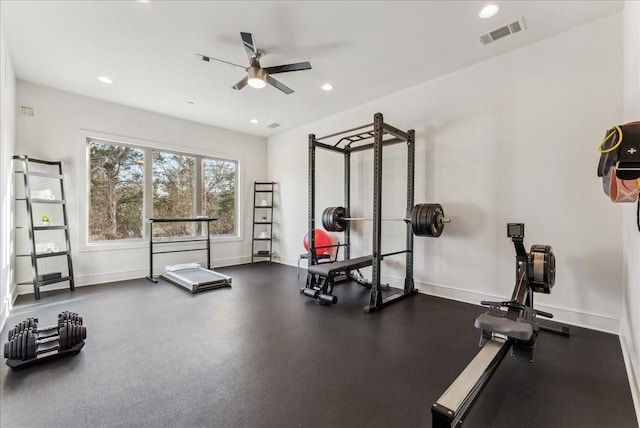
{"points": [[258, 77]]}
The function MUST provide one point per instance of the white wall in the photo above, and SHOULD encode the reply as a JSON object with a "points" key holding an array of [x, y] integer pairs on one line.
{"points": [[56, 133], [7, 142], [512, 139], [630, 324]]}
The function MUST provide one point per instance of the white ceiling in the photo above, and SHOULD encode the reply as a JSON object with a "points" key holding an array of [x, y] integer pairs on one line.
{"points": [[365, 49]]}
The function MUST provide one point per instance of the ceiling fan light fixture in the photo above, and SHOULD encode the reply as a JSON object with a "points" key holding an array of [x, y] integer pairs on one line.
{"points": [[257, 77]]}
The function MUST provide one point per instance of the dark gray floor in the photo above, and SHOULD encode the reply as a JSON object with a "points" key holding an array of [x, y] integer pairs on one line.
{"points": [[262, 355]]}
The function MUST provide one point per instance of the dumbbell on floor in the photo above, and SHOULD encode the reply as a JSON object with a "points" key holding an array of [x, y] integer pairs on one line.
{"points": [[26, 345], [32, 323], [27, 341]]}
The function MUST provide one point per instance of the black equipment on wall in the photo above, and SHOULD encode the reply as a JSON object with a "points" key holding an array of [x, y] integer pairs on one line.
{"points": [[619, 164]]}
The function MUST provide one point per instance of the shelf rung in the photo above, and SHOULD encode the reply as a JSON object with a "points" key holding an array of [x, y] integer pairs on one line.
{"points": [[44, 255], [47, 201], [55, 280], [41, 174], [50, 228]]}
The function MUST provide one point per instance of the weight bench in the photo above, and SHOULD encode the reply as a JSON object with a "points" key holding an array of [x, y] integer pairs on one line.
{"points": [[322, 277]]}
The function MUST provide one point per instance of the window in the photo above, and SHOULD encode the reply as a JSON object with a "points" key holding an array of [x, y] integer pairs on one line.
{"points": [[116, 194], [219, 194], [173, 192], [181, 185]]}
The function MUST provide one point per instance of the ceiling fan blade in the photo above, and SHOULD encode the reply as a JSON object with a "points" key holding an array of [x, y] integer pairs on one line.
{"points": [[273, 82], [241, 84], [247, 40], [208, 58], [288, 67]]}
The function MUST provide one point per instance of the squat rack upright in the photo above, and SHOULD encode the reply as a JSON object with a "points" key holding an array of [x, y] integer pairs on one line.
{"points": [[356, 140]]}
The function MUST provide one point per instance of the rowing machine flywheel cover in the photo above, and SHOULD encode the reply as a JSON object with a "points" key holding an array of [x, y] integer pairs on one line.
{"points": [[542, 274]]}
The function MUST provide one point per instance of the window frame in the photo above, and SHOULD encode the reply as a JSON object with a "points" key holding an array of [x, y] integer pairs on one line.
{"points": [[85, 136]]}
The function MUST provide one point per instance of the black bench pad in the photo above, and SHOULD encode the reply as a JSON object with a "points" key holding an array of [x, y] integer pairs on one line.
{"points": [[331, 270]]}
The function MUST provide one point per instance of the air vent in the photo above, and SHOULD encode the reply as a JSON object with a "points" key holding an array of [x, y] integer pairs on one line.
{"points": [[273, 125], [26, 111], [498, 33]]}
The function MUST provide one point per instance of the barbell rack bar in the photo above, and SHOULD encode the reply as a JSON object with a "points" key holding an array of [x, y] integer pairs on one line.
{"points": [[382, 256], [406, 220]]}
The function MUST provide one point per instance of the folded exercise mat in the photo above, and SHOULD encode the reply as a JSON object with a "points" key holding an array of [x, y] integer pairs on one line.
{"points": [[43, 194], [46, 247]]}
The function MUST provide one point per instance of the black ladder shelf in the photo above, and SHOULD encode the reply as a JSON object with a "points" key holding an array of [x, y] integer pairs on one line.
{"points": [[42, 170], [262, 245]]}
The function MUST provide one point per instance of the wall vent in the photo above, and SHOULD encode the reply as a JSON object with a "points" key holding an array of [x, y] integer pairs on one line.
{"points": [[273, 125], [27, 111], [498, 33]]}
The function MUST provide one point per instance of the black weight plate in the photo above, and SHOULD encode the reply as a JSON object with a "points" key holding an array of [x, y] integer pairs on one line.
{"points": [[7, 346], [416, 220], [14, 346], [338, 215], [421, 223], [437, 225], [25, 340], [76, 334], [72, 335], [31, 345], [67, 335], [84, 332], [19, 346], [63, 336], [326, 223]]}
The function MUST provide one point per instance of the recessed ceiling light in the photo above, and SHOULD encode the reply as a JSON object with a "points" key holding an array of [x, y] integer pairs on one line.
{"points": [[327, 87], [105, 79], [144, 1], [489, 10], [254, 121]]}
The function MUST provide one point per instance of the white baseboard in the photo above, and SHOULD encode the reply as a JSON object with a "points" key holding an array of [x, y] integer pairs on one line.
{"points": [[569, 316], [632, 364], [103, 278]]}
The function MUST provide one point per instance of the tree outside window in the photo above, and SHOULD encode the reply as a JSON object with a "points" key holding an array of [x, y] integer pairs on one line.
{"points": [[116, 195]]}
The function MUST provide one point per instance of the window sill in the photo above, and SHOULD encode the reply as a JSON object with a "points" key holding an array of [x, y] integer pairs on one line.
{"points": [[144, 244]]}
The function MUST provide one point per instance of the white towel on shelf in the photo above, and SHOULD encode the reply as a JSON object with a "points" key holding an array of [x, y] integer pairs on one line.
{"points": [[43, 194], [46, 247]]}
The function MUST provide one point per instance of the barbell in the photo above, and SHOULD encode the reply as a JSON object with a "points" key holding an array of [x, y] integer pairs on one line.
{"points": [[426, 219]]}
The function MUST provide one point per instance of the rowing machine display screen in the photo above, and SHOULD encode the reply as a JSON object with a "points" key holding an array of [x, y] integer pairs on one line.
{"points": [[515, 230]]}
